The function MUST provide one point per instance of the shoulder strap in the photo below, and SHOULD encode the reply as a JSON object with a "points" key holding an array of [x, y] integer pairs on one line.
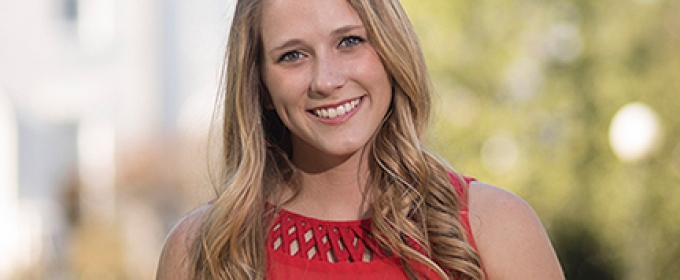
{"points": [[461, 185]]}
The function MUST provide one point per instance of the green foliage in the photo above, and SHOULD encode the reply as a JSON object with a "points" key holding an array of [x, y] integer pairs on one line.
{"points": [[527, 90]]}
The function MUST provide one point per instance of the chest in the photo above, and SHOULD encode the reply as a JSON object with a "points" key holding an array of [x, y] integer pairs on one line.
{"points": [[303, 248]]}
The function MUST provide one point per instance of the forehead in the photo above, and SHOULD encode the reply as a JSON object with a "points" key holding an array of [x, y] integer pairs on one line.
{"points": [[287, 19]]}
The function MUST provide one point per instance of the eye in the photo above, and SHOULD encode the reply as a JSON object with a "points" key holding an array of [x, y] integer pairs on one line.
{"points": [[290, 56], [351, 41]]}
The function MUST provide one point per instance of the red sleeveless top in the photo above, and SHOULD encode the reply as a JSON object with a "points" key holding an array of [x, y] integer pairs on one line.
{"points": [[300, 247]]}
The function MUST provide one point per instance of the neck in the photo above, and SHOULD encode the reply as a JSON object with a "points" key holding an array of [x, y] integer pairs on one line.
{"points": [[333, 189]]}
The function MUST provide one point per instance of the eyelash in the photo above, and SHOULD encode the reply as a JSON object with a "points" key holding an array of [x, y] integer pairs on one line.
{"points": [[288, 57], [346, 42], [351, 40]]}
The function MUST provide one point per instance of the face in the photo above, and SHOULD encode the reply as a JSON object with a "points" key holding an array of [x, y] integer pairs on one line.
{"points": [[325, 80]]}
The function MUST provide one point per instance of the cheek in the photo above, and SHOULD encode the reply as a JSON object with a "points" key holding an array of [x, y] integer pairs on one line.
{"points": [[378, 78], [282, 87], [374, 73], [274, 87]]}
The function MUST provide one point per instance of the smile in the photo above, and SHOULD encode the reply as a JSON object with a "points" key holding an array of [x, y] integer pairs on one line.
{"points": [[340, 110]]}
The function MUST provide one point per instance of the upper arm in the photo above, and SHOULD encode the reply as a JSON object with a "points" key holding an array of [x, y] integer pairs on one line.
{"points": [[175, 257], [511, 240]]}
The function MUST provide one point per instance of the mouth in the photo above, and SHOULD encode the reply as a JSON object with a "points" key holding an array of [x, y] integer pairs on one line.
{"points": [[336, 111]]}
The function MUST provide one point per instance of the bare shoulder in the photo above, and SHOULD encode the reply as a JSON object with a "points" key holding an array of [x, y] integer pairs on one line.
{"points": [[511, 239], [174, 260]]}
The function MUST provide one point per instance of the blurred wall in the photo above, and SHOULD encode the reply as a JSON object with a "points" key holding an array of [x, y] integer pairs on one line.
{"points": [[99, 100]]}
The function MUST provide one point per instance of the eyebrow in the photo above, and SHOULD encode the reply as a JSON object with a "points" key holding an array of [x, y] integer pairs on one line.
{"points": [[336, 32], [287, 44], [346, 29]]}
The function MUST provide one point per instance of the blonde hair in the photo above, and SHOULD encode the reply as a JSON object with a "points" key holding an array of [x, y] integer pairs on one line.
{"points": [[413, 200]]}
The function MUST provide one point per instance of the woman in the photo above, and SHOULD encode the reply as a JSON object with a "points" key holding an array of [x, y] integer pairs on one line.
{"points": [[325, 176]]}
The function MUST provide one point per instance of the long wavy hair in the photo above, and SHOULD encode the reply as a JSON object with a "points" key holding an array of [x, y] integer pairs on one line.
{"points": [[412, 197]]}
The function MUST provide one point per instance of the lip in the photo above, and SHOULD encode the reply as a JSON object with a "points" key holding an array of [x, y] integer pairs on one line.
{"points": [[339, 119], [336, 104]]}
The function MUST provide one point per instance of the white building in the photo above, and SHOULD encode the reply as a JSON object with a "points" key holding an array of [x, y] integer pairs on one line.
{"points": [[80, 80]]}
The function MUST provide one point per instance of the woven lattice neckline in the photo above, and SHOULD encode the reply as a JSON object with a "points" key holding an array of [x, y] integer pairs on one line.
{"points": [[328, 241]]}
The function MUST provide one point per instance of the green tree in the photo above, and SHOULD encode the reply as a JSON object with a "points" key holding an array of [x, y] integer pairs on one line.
{"points": [[526, 94]]}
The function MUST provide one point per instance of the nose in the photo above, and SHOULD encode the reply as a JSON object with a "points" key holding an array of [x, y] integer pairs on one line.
{"points": [[328, 75]]}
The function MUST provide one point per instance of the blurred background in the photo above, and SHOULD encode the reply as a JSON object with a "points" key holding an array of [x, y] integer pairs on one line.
{"points": [[106, 107]]}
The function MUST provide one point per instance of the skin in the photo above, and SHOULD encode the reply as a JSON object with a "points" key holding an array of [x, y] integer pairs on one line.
{"points": [[510, 238], [174, 261], [312, 63], [316, 55]]}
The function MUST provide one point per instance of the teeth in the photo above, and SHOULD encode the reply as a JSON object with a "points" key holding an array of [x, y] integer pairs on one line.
{"points": [[343, 109]]}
